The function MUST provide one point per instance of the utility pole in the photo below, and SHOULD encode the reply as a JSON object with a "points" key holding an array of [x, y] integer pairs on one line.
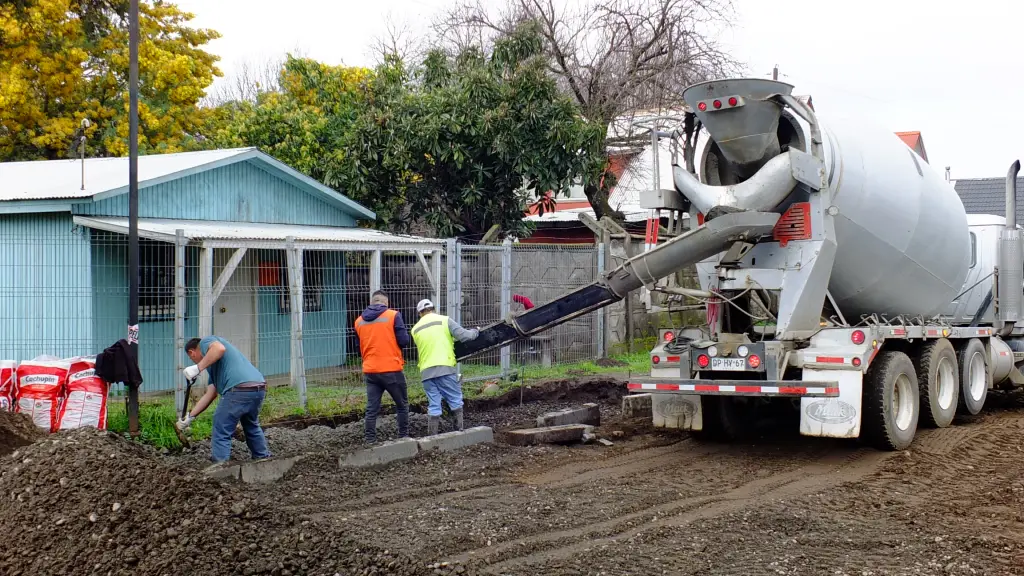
{"points": [[775, 72], [133, 208]]}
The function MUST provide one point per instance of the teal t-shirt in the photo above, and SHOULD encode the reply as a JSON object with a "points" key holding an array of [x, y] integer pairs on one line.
{"points": [[232, 369]]}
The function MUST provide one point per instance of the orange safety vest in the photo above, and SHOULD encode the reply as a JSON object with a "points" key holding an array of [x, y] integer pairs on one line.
{"points": [[377, 344]]}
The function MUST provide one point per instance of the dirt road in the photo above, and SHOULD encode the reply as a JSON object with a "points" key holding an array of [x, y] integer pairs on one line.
{"points": [[660, 502]]}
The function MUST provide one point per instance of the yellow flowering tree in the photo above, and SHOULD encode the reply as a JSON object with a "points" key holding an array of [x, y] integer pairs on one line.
{"points": [[65, 61]]}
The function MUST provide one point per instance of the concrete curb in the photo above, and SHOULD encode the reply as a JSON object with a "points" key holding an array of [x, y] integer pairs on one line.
{"points": [[454, 440], [589, 414], [638, 406], [408, 448], [565, 434], [401, 449], [267, 471]]}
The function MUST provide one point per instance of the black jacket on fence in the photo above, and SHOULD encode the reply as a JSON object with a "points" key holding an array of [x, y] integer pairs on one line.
{"points": [[116, 364]]}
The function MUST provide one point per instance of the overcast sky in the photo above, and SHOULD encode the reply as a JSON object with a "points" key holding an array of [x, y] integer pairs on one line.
{"points": [[949, 70]]}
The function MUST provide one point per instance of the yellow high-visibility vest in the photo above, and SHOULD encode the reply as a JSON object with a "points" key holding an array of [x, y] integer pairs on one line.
{"points": [[434, 341]]}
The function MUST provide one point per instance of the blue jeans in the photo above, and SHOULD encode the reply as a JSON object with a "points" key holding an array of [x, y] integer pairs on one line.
{"points": [[394, 384], [446, 386], [238, 405]]}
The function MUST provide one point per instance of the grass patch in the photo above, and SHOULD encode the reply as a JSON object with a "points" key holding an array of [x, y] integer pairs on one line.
{"points": [[344, 394]]}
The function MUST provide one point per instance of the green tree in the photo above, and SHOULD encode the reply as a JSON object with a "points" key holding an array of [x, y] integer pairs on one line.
{"points": [[468, 141], [65, 61], [303, 122]]}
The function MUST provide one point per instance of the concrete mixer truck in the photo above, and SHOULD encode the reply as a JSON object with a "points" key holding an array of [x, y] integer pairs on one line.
{"points": [[844, 282]]}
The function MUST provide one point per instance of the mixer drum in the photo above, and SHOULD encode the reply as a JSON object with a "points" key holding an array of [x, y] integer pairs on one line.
{"points": [[902, 235]]}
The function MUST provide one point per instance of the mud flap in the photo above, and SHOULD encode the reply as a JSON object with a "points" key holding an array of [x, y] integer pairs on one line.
{"points": [[833, 417], [681, 411]]}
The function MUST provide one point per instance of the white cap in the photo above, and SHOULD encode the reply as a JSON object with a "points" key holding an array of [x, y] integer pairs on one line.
{"points": [[424, 304]]}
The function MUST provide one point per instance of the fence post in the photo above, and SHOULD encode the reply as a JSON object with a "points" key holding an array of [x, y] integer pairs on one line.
{"points": [[435, 272], [454, 304], [375, 262], [206, 292], [602, 318], [506, 299], [296, 300], [179, 318]]}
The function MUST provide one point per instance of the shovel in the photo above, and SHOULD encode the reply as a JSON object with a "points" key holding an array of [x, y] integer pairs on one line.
{"points": [[182, 437]]}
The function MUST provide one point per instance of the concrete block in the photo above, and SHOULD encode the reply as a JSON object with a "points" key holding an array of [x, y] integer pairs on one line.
{"points": [[454, 440], [637, 406], [548, 435], [590, 414], [401, 449], [267, 471], [220, 472]]}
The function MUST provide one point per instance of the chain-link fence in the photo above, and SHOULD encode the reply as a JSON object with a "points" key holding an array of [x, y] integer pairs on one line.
{"points": [[66, 294]]}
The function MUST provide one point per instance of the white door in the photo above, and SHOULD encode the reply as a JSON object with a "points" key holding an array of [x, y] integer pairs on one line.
{"points": [[234, 312]]}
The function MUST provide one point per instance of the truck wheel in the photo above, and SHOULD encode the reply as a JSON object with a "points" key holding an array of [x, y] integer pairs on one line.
{"points": [[939, 380], [973, 362], [891, 402]]}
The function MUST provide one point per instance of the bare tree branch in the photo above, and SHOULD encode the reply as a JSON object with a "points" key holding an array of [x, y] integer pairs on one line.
{"points": [[618, 59], [247, 82], [400, 40]]}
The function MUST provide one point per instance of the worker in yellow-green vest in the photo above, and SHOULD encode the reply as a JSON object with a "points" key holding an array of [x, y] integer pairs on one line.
{"points": [[435, 336]]}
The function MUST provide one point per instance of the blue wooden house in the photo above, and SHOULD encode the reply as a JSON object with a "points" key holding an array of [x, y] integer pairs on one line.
{"points": [[232, 242]]}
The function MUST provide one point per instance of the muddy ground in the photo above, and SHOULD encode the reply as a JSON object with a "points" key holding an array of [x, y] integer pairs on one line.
{"points": [[659, 502], [656, 502]]}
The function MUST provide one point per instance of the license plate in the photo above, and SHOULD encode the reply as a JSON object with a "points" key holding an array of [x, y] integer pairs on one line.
{"points": [[732, 364]]}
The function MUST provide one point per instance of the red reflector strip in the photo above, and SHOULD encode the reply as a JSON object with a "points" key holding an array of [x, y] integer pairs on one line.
{"points": [[830, 360], [933, 332], [673, 359], [732, 389], [898, 332]]}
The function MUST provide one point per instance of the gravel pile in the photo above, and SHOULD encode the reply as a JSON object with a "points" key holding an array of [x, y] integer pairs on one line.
{"points": [[17, 430], [89, 502]]}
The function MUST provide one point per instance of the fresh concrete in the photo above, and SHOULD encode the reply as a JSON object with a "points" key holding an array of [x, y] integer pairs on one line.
{"points": [[589, 414], [401, 449], [637, 406], [548, 435], [267, 471], [454, 440]]}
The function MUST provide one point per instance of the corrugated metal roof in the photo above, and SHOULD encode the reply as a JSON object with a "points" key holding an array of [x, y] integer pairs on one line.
{"points": [[244, 233], [632, 214], [62, 179], [987, 196]]}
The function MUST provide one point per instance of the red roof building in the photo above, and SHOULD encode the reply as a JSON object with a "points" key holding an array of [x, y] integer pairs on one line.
{"points": [[915, 142]]}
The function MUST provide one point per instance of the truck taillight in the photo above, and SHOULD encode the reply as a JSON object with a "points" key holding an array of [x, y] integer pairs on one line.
{"points": [[733, 101], [669, 336], [703, 361], [754, 360], [717, 104], [702, 106], [655, 359], [857, 337]]}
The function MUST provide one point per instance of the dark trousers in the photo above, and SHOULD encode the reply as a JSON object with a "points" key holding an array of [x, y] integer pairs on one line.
{"points": [[394, 384]]}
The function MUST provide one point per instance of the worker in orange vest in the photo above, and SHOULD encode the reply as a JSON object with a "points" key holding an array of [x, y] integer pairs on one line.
{"points": [[382, 334]]}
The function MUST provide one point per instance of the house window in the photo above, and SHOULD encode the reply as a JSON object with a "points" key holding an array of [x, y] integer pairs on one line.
{"points": [[313, 265], [156, 281]]}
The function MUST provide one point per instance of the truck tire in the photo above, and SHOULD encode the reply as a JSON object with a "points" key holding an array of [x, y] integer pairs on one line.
{"points": [[938, 376], [973, 362], [891, 402]]}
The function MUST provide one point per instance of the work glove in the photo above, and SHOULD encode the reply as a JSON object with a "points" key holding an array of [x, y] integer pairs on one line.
{"points": [[184, 423], [191, 372]]}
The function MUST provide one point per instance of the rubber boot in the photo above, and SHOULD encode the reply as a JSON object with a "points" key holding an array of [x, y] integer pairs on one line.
{"points": [[458, 418], [433, 423]]}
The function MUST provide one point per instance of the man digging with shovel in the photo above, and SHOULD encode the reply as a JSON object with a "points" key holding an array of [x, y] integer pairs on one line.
{"points": [[242, 389]]}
